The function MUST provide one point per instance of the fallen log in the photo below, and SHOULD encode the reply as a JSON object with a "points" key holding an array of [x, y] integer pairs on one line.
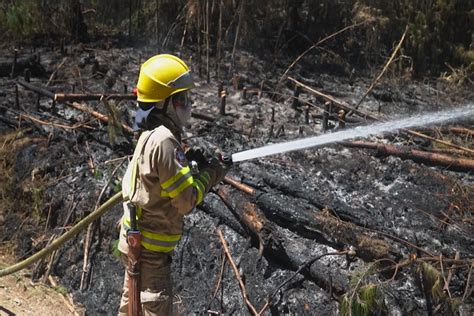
{"points": [[460, 130], [292, 188], [336, 228], [36, 89], [454, 163], [242, 187], [305, 219], [74, 105], [298, 215], [448, 151], [274, 242]]}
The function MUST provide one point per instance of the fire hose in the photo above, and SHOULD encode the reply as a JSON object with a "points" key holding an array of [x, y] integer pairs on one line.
{"points": [[57, 243], [76, 229], [110, 203]]}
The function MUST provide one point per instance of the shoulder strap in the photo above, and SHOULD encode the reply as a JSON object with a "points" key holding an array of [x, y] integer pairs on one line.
{"points": [[127, 196]]}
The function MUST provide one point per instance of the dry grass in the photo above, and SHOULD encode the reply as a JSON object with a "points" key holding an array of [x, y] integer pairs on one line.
{"points": [[21, 198]]}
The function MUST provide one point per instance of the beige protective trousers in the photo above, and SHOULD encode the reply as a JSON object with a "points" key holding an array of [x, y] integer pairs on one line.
{"points": [[156, 290]]}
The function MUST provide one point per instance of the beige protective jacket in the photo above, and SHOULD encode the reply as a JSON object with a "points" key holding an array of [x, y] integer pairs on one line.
{"points": [[159, 182]]}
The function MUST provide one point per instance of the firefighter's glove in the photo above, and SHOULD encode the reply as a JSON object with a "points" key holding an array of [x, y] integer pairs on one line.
{"points": [[220, 167], [199, 155]]}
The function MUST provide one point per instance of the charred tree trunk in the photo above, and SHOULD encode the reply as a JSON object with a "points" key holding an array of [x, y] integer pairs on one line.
{"points": [[157, 26], [237, 33], [275, 244], [454, 163], [316, 222], [199, 42], [219, 39], [206, 23], [300, 217], [129, 20], [77, 26]]}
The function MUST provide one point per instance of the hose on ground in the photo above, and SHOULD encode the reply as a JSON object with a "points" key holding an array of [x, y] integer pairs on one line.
{"points": [[114, 200]]}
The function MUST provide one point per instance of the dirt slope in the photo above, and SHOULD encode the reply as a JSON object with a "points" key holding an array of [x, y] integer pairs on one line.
{"points": [[20, 296]]}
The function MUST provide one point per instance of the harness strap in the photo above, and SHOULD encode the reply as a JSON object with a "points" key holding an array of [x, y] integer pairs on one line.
{"points": [[127, 196]]}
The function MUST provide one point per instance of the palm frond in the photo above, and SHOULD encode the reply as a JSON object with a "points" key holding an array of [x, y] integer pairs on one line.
{"points": [[367, 300], [433, 282], [114, 127]]}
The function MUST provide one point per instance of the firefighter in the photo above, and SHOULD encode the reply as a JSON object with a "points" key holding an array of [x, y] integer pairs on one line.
{"points": [[158, 183]]}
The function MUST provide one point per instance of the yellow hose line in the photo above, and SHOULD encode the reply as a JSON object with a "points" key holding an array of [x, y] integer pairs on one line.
{"points": [[114, 200]]}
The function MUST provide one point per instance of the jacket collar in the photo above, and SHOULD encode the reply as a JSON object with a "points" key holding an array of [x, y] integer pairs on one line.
{"points": [[156, 119]]}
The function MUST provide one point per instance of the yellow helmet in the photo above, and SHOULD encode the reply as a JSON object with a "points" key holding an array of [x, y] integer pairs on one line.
{"points": [[162, 76]]}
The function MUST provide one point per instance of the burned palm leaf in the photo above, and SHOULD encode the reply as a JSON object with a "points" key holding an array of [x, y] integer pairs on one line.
{"points": [[363, 298], [367, 300], [432, 281], [114, 128]]}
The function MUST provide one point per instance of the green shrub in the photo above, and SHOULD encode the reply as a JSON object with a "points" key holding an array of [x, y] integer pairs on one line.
{"points": [[22, 19]]}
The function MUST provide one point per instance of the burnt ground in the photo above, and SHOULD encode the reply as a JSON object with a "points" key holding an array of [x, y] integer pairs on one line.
{"points": [[53, 176]]}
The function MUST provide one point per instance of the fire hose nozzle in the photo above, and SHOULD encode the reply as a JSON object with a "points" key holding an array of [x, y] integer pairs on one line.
{"points": [[225, 158]]}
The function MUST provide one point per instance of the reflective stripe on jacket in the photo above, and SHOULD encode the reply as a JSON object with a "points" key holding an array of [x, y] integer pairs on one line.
{"points": [[159, 182]]}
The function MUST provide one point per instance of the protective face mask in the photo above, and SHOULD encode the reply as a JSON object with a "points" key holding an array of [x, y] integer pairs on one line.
{"points": [[184, 113], [140, 118], [183, 108]]}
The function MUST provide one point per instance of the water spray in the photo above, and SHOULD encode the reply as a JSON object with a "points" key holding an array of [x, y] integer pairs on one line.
{"points": [[357, 132]]}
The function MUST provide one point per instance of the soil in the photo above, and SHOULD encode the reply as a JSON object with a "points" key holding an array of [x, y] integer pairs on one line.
{"points": [[54, 177], [20, 296]]}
